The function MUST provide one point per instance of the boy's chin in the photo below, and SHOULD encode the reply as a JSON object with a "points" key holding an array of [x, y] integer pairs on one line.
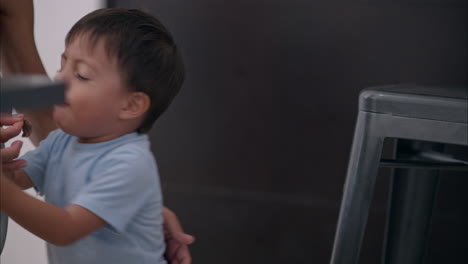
{"points": [[64, 128], [58, 116]]}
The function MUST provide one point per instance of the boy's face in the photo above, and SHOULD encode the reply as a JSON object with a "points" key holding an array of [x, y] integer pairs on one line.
{"points": [[95, 92]]}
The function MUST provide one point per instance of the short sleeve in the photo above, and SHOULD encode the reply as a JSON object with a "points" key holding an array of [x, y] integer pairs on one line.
{"points": [[120, 188], [37, 160]]}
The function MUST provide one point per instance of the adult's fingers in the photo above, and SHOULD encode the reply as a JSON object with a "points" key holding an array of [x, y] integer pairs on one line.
{"points": [[183, 255], [171, 250], [14, 165], [174, 229], [10, 132], [177, 253], [14, 123], [184, 238], [8, 119], [12, 152]]}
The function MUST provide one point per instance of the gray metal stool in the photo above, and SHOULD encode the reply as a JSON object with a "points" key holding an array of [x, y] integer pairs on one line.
{"points": [[422, 119]]}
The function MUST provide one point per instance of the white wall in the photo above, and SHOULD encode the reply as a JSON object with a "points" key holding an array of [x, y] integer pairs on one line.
{"points": [[53, 19]]}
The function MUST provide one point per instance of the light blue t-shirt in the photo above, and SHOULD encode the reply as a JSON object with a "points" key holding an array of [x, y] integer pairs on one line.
{"points": [[117, 180]]}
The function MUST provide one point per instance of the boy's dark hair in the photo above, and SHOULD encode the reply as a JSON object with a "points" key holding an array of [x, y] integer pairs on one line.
{"points": [[145, 50]]}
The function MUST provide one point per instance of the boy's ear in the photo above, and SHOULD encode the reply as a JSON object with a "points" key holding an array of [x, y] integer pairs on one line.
{"points": [[136, 105]]}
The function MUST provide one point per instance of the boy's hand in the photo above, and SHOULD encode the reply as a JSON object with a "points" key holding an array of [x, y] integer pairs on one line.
{"points": [[177, 241], [8, 155]]}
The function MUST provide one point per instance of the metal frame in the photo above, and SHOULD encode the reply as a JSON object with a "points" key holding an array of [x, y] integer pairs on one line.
{"points": [[372, 127]]}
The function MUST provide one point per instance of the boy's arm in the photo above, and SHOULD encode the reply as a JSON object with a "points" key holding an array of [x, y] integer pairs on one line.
{"points": [[20, 178], [55, 225]]}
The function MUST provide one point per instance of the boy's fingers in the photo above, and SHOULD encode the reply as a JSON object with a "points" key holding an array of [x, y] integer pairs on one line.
{"points": [[12, 152], [11, 131]]}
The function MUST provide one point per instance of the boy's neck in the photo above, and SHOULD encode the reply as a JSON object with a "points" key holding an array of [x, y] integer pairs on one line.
{"points": [[104, 138]]}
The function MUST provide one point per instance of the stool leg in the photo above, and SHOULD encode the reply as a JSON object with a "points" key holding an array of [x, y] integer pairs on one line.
{"points": [[412, 196], [358, 190]]}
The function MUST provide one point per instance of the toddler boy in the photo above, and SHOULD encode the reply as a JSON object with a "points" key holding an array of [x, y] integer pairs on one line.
{"points": [[100, 181]]}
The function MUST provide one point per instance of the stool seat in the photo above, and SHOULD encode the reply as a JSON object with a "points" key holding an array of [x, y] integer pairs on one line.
{"points": [[417, 101], [430, 116]]}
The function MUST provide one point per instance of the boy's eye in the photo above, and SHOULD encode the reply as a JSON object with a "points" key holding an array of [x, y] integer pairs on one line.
{"points": [[81, 78]]}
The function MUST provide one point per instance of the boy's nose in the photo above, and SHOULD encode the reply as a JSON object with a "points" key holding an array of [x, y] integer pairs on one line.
{"points": [[61, 76]]}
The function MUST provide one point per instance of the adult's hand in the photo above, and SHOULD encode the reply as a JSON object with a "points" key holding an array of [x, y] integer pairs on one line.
{"points": [[14, 125], [177, 241]]}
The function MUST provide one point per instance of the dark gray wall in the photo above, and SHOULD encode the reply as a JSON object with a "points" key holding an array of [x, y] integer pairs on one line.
{"points": [[254, 150]]}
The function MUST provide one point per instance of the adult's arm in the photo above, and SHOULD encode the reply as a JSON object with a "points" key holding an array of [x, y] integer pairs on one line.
{"points": [[19, 55]]}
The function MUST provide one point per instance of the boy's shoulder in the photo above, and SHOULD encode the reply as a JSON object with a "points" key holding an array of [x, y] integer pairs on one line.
{"points": [[55, 138], [129, 149], [132, 160], [129, 144]]}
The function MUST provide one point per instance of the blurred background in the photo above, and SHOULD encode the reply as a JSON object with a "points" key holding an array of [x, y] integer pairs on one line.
{"points": [[253, 152]]}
